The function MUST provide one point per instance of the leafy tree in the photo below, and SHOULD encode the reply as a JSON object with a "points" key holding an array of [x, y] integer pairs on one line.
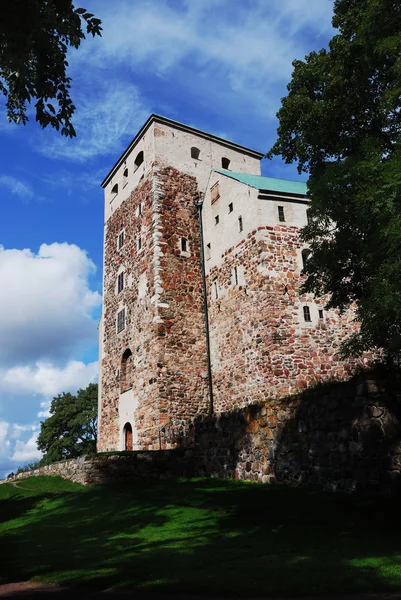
{"points": [[71, 430], [341, 121], [34, 39]]}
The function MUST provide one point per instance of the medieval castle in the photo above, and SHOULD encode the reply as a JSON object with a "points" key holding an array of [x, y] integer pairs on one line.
{"points": [[202, 273]]}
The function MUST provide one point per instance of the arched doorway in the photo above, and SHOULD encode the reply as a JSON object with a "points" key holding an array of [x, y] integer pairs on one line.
{"points": [[128, 437]]}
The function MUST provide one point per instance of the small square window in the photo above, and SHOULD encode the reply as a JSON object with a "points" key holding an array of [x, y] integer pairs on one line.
{"points": [[240, 224], [120, 240], [139, 243], [216, 220], [230, 207], [307, 317], [120, 283], [320, 313], [214, 192], [281, 216], [208, 251], [184, 245], [121, 320]]}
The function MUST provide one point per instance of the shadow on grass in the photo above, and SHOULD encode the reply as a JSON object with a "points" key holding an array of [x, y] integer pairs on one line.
{"points": [[203, 536]]}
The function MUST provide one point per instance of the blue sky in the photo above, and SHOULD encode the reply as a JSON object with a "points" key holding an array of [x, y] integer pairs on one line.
{"points": [[218, 65]]}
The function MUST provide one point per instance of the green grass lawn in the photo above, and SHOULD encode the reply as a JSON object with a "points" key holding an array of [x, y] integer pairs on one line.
{"points": [[207, 536]]}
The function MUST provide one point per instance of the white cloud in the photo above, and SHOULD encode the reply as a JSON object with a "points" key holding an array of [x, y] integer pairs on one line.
{"points": [[46, 305], [26, 451], [105, 118], [16, 187], [4, 430], [48, 380], [229, 51]]}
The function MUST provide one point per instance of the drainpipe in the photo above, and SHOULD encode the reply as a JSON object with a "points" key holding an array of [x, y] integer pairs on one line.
{"points": [[205, 308]]}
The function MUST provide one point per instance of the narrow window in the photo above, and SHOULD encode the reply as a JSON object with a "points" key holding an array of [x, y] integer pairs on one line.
{"points": [[125, 177], [140, 209], [195, 152], [184, 245], [320, 313], [114, 191], [225, 163], [216, 290], [240, 224], [120, 240], [208, 251], [216, 220], [230, 207], [120, 283], [308, 216], [125, 371], [307, 318], [305, 255], [281, 216], [235, 275], [138, 160], [139, 243], [214, 192], [121, 320]]}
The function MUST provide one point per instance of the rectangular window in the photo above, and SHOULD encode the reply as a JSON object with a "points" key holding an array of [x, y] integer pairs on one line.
{"points": [[139, 243], [216, 220], [308, 216], [120, 240], [320, 313], [240, 224], [214, 192], [307, 318], [121, 320], [120, 283], [208, 251], [230, 207], [235, 275], [281, 216], [140, 208], [216, 290], [184, 245]]}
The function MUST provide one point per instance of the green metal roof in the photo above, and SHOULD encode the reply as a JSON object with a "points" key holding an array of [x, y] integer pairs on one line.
{"points": [[267, 183]]}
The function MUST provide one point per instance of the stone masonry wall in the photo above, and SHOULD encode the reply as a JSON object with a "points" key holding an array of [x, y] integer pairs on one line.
{"points": [[183, 383], [109, 468], [140, 334], [163, 300], [261, 346], [340, 436]]}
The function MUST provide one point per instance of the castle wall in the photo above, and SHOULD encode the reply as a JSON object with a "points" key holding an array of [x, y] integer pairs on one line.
{"points": [[126, 185], [183, 383], [140, 333], [173, 147], [261, 345]]}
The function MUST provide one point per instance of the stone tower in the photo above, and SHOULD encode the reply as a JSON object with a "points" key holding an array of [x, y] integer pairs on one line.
{"points": [[153, 354]]}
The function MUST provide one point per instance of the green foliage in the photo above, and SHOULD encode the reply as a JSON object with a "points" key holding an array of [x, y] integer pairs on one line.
{"points": [[211, 537], [341, 121], [34, 39], [71, 430]]}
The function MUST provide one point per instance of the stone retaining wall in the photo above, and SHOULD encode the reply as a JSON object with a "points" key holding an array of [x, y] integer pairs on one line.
{"points": [[108, 468], [343, 436]]}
